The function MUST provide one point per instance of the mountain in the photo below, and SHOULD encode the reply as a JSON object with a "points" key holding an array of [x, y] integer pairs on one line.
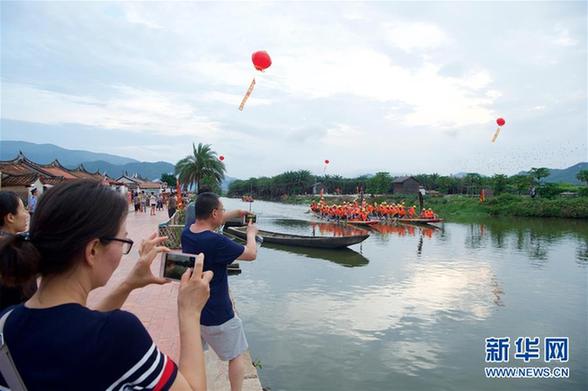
{"points": [[113, 165], [226, 183], [146, 170], [46, 153], [566, 175]]}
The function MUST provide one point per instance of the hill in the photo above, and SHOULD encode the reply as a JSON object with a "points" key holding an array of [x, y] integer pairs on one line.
{"points": [[112, 165], [46, 153], [566, 175], [147, 170]]}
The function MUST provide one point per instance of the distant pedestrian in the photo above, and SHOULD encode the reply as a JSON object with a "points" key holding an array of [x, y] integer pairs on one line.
{"points": [[143, 202], [136, 202], [171, 205], [32, 202], [160, 202], [152, 204]]}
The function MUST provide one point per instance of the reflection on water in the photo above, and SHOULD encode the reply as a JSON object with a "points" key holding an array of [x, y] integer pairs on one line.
{"points": [[415, 316], [344, 257], [582, 253], [534, 237], [303, 227], [444, 288]]}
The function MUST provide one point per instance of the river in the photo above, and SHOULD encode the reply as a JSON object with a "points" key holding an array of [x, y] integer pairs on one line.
{"points": [[410, 307]]}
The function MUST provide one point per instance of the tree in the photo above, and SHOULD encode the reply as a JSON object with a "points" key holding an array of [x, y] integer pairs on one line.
{"points": [[582, 176], [473, 182], [379, 183], [539, 173], [169, 179], [203, 163], [521, 183], [499, 183]]}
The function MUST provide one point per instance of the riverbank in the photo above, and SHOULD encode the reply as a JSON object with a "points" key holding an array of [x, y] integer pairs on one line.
{"points": [[458, 207]]}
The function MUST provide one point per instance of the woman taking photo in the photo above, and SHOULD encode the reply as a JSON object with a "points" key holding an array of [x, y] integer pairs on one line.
{"points": [[76, 240]]}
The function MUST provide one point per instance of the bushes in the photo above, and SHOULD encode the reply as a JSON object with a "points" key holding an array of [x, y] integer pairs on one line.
{"points": [[508, 205]]}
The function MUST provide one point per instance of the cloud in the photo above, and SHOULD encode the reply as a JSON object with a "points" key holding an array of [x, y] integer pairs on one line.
{"points": [[233, 99], [429, 98], [135, 15], [344, 135], [563, 38], [410, 36], [130, 109]]}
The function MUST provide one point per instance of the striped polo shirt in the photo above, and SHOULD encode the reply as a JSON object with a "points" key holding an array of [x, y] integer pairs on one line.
{"points": [[70, 347]]}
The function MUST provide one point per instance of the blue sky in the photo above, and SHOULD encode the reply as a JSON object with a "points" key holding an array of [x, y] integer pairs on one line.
{"points": [[404, 87]]}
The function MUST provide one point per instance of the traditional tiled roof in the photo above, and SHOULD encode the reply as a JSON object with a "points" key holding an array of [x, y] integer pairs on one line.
{"points": [[22, 166], [57, 169], [19, 180], [402, 179], [149, 185], [52, 181], [81, 172]]}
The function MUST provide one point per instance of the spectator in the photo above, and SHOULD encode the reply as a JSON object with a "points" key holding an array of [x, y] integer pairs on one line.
{"points": [[221, 328], [32, 202], [13, 220], [77, 239]]}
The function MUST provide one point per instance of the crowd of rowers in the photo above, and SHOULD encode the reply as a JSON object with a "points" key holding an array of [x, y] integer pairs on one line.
{"points": [[366, 211]]}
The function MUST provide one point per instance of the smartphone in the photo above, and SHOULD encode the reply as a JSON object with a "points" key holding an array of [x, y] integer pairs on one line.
{"points": [[250, 218], [173, 265]]}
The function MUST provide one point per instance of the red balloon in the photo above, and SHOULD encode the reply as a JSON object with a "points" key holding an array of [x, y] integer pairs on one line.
{"points": [[261, 60], [500, 121], [221, 158], [327, 161]]}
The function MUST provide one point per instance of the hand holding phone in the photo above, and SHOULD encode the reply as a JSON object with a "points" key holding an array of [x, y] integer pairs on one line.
{"points": [[174, 265], [194, 288]]}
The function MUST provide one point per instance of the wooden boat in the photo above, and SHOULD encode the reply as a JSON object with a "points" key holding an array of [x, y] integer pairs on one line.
{"points": [[301, 240], [362, 222], [418, 221], [353, 222], [246, 198]]}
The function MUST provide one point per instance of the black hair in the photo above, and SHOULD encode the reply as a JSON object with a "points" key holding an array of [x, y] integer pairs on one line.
{"points": [[68, 216], [204, 189], [8, 205], [33, 190], [205, 204]]}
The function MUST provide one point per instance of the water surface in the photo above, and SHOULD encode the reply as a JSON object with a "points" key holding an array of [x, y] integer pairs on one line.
{"points": [[409, 308]]}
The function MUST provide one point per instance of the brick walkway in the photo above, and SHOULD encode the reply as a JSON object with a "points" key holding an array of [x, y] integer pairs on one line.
{"points": [[156, 305]]}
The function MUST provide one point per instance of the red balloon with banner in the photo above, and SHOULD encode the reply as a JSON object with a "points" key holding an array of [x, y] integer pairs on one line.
{"points": [[500, 122], [261, 61]]}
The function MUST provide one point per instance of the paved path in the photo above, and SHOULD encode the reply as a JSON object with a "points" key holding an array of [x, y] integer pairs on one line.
{"points": [[156, 306]]}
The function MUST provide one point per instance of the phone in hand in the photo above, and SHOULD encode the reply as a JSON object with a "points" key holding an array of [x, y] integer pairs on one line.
{"points": [[250, 218], [173, 265]]}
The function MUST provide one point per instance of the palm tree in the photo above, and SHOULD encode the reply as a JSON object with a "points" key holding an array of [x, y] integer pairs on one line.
{"points": [[202, 164]]}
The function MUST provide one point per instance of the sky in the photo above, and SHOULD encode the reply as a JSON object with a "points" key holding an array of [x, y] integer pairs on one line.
{"points": [[402, 87]]}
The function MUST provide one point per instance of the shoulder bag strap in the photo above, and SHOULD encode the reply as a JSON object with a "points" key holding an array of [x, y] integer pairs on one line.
{"points": [[7, 367]]}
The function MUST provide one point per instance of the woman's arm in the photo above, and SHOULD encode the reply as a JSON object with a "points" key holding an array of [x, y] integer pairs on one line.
{"points": [[192, 296]]}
